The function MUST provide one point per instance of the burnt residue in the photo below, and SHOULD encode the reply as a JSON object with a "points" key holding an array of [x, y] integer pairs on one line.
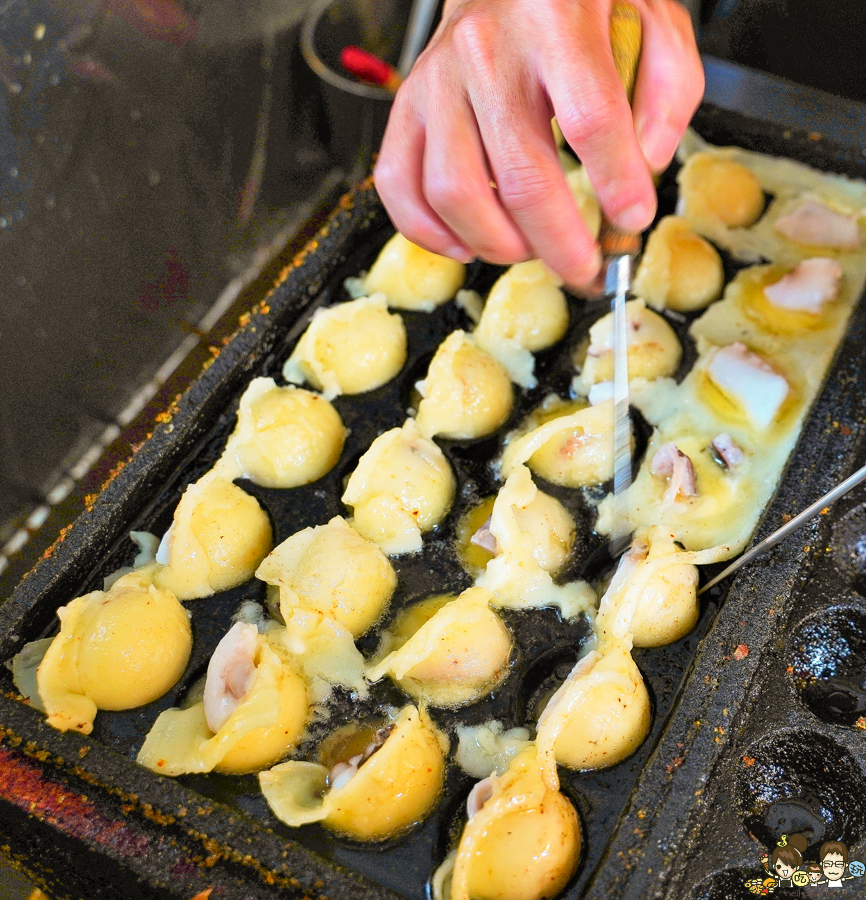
{"points": [[640, 818]]}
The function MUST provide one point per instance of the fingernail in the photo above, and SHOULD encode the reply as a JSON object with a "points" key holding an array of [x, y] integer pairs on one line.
{"points": [[459, 254], [635, 218], [658, 141]]}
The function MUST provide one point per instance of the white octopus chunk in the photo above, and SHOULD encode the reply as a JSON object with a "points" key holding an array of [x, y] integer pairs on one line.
{"points": [[813, 283], [728, 450], [754, 384], [485, 538], [230, 674], [813, 222], [478, 796], [670, 462]]}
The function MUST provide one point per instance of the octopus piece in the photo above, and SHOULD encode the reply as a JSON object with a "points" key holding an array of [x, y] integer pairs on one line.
{"points": [[349, 348], [670, 462], [365, 793], [814, 282], [343, 772], [750, 381], [727, 450], [253, 712], [521, 841], [815, 223], [230, 674], [466, 394], [485, 538]]}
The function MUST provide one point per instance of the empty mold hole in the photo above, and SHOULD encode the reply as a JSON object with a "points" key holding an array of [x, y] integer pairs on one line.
{"points": [[728, 885], [849, 547], [801, 782], [827, 664]]}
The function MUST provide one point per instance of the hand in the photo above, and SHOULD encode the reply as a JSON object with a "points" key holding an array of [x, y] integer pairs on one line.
{"points": [[468, 166]]}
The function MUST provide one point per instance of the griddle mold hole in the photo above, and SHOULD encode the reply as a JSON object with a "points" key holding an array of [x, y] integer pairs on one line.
{"points": [[800, 781], [849, 548], [827, 664]]}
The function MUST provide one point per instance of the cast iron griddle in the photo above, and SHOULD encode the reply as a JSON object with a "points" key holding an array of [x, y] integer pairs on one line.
{"points": [[672, 819]]}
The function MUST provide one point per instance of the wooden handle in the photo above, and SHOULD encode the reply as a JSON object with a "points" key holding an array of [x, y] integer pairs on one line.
{"points": [[625, 42]]}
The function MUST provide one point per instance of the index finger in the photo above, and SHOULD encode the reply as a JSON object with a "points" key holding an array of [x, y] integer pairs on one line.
{"points": [[594, 115], [518, 140]]}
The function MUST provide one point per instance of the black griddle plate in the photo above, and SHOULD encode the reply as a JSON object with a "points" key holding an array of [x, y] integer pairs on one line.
{"points": [[672, 819]]}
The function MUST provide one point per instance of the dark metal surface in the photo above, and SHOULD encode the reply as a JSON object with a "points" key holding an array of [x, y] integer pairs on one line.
{"points": [[647, 823], [784, 103]]}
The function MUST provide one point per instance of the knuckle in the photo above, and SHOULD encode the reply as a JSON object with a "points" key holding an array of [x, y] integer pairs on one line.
{"points": [[472, 34], [445, 191], [385, 177], [587, 119], [523, 186]]}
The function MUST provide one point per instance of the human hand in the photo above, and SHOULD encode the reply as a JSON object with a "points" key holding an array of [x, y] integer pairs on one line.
{"points": [[469, 167]]}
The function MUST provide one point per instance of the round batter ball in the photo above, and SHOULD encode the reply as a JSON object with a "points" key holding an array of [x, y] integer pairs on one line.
{"points": [[217, 539], [403, 486], [654, 350], [522, 840], [116, 649], [466, 394], [455, 655], [370, 793], [285, 436], [574, 450], [611, 720], [527, 306], [719, 189], [331, 570], [413, 278], [679, 269], [349, 348]]}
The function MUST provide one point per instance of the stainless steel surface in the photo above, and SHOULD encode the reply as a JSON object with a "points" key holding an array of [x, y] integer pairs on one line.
{"points": [[800, 519], [763, 96]]}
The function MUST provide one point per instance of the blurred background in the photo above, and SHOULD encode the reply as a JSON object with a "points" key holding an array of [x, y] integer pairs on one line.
{"points": [[162, 160]]}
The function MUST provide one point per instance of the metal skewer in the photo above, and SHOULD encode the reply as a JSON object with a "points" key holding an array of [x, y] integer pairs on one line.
{"points": [[800, 519], [619, 250]]}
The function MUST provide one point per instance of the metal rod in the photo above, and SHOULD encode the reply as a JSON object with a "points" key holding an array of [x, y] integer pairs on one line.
{"points": [[810, 512], [618, 278], [417, 31]]}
